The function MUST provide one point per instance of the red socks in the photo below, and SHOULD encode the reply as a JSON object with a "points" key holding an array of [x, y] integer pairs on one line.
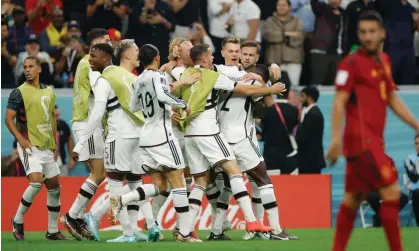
{"points": [[344, 225], [389, 213]]}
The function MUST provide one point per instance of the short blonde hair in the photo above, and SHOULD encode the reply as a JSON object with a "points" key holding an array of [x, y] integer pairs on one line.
{"points": [[122, 46], [174, 47]]}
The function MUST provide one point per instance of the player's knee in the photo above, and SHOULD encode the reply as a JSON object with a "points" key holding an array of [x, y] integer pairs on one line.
{"points": [[176, 179], [230, 167], [36, 178], [52, 183], [201, 180], [353, 200], [260, 176], [391, 192]]}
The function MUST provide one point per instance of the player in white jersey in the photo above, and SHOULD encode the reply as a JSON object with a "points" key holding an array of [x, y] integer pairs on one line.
{"points": [[91, 153], [237, 121], [127, 51], [113, 92], [205, 145]]}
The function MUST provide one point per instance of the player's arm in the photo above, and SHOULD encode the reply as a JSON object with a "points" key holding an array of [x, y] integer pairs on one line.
{"points": [[135, 104], [163, 93], [401, 109], [186, 80], [252, 90], [102, 89], [14, 103]]}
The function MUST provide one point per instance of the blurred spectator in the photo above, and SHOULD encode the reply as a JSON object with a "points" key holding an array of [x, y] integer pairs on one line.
{"points": [[11, 165], [39, 13], [218, 13], [68, 56], [302, 10], [64, 139], [280, 149], [154, 18], [19, 32], [186, 14], [106, 14], [284, 41], [294, 97], [244, 20], [32, 49], [411, 178], [115, 36], [401, 20], [20, 3], [50, 37], [353, 11], [7, 8], [267, 7], [76, 10], [328, 43], [8, 61], [310, 134], [199, 35]]}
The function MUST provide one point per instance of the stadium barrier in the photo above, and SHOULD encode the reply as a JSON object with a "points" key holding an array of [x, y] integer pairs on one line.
{"points": [[304, 202]]}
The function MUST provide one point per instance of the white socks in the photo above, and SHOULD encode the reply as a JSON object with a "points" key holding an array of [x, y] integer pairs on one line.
{"points": [[222, 207], [27, 198], [54, 206], [116, 189], [143, 192], [242, 197], [181, 205], [87, 190], [269, 203], [195, 201], [257, 201]]}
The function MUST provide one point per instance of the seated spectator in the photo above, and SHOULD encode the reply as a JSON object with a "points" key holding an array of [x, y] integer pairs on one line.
{"points": [[33, 49], [284, 38], [50, 37], [106, 14], [244, 20], [156, 19], [411, 178], [7, 8], [68, 56], [374, 200], [199, 35], [328, 43], [8, 61], [218, 13], [19, 32], [39, 13]]}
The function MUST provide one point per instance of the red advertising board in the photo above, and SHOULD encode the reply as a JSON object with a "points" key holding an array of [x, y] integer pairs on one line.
{"points": [[304, 202]]}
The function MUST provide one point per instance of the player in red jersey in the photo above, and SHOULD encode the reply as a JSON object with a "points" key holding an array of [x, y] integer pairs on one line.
{"points": [[364, 89]]}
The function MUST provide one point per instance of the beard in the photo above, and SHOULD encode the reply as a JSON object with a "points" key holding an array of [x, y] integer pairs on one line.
{"points": [[305, 103]]}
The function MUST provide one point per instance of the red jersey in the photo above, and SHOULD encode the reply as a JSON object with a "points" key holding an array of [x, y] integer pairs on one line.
{"points": [[43, 16], [369, 83]]}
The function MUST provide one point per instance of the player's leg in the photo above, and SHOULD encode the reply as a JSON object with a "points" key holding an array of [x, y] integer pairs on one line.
{"points": [[54, 205], [221, 223], [389, 214], [34, 173]]}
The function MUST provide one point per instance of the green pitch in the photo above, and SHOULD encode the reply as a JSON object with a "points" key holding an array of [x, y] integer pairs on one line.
{"points": [[311, 240]]}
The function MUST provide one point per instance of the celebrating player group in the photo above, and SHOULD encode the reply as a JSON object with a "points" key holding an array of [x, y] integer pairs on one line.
{"points": [[191, 120]]}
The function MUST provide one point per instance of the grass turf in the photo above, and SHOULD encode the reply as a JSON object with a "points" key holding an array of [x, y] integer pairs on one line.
{"points": [[311, 240]]}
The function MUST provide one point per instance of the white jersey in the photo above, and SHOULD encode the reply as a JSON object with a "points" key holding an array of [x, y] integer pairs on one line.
{"points": [[119, 123], [80, 125], [152, 96], [175, 74], [236, 112], [206, 123]]}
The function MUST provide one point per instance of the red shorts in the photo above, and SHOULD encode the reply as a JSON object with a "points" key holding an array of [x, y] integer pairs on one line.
{"points": [[370, 171]]}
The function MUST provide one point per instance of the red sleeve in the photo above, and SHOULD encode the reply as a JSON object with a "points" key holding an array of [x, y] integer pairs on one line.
{"points": [[30, 4], [391, 86], [59, 3], [345, 75]]}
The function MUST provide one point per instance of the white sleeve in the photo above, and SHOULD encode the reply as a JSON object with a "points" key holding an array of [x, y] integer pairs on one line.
{"points": [[93, 76], [254, 13], [102, 91], [163, 92], [176, 73], [214, 7], [224, 83], [135, 104]]}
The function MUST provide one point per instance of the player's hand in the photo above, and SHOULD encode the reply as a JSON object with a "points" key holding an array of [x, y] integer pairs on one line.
{"points": [[252, 76], [278, 88], [71, 163], [26, 146], [176, 118], [75, 156], [168, 66], [332, 154], [275, 71], [192, 78]]}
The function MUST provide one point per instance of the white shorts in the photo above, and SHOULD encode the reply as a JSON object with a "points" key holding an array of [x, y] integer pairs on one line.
{"points": [[204, 152], [182, 148], [247, 153], [94, 147], [166, 155], [123, 156], [39, 161]]}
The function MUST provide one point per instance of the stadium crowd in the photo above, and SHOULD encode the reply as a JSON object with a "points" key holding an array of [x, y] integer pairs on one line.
{"points": [[306, 38]]}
